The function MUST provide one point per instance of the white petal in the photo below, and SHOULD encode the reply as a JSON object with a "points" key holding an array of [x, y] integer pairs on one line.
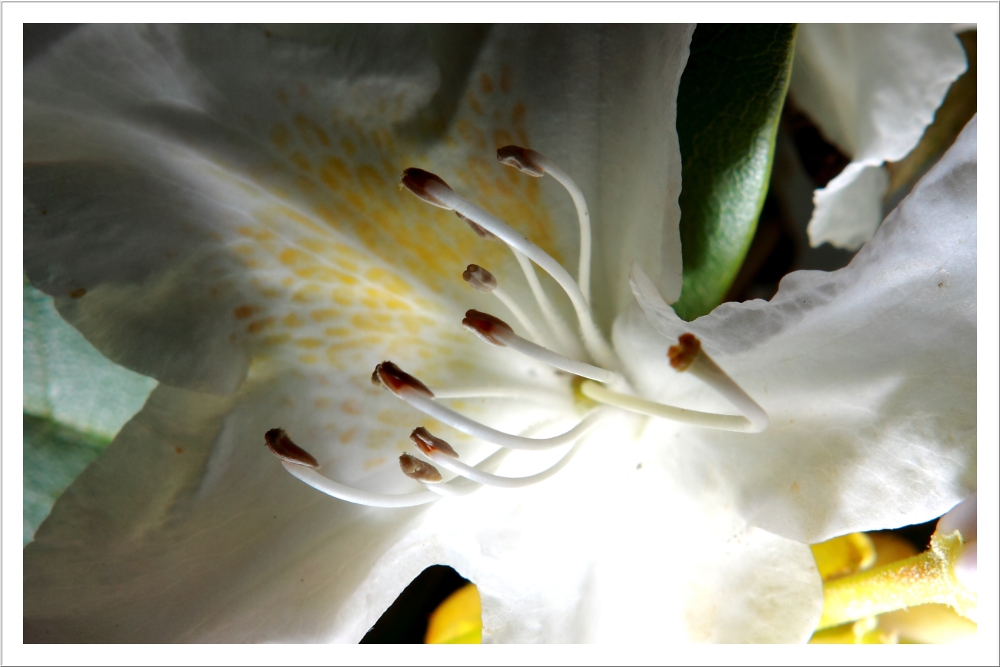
{"points": [[868, 374], [849, 209], [189, 530], [613, 134], [147, 149], [872, 89], [180, 151], [727, 582]]}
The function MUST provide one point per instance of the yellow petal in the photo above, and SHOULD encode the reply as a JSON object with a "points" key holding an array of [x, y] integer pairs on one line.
{"points": [[844, 555], [890, 547], [864, 631], [458, 620]]}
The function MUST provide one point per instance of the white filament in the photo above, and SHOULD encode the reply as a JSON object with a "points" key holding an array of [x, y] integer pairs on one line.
{"points": [[317, 481], [516, 393], [604, 395], [554, 359], [520, 315], [706, 370], [477, 474], [582, 214], [593, 340], [446, 415], [556, 323]]}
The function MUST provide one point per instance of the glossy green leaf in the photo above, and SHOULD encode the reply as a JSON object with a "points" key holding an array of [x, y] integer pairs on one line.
{"points": [[75, 402], [728, 107]]}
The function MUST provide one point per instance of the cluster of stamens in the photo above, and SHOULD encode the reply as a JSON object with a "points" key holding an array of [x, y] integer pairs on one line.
{"points": [[600, 369]]}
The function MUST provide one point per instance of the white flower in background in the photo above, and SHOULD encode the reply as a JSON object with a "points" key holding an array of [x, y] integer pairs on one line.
{"points": [[227, 199], [872, 89]]}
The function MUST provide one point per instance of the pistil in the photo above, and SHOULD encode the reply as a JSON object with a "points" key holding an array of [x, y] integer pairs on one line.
{"points": [[689, 356], [926, 578]]}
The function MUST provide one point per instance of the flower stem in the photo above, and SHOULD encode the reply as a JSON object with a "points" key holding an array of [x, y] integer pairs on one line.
{"points": [[926, 578]]}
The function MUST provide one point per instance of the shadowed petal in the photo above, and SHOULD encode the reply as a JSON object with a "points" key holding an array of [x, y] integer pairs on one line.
{"points": [[872, 89]]}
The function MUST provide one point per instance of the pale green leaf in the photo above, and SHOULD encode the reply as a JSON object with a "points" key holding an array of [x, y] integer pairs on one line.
{"points": [[75, 402]]}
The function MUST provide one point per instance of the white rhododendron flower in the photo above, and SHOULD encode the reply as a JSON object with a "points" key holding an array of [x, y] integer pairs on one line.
{"points": [[872, 89], [218, 208]]}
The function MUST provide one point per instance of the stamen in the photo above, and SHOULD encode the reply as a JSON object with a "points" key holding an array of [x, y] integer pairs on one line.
{"points": [[352, 495], [426, 404], [393, 378], [602, 394], [438, 193], [689, 356], [523, 159], [427, 443], [482, 477], [302, 466], [282, 446], [684, 353], [498, 332], [461, 486], [419, 470], [479, 278], [516, 393], [491, 329], [482, 233], [482, 280], [425, 185], [556, 323], [535, 164]]}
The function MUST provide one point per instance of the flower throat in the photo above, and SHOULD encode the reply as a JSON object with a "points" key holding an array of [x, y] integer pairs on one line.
{"points": [[581, 351]]}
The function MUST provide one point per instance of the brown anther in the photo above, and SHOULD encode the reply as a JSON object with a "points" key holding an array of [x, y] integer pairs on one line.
{"points": [[685, 352], [393, 378], [524, 159], [419, 470], [481, 231], [479, 278], [489, 328], [282, 446], [417, 181], [427, 442]]}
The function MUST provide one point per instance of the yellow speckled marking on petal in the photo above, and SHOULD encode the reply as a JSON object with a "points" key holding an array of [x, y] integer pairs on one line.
{"points": [[347, 269], [311, 132]]}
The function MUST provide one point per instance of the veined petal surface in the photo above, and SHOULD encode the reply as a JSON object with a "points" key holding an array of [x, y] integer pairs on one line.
{"points": [[868, 374]]}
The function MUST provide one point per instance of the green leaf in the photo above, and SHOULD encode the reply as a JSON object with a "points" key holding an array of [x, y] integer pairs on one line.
{"points": [[75, 402], [728, 107], [68, 381], [54, 455]]}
